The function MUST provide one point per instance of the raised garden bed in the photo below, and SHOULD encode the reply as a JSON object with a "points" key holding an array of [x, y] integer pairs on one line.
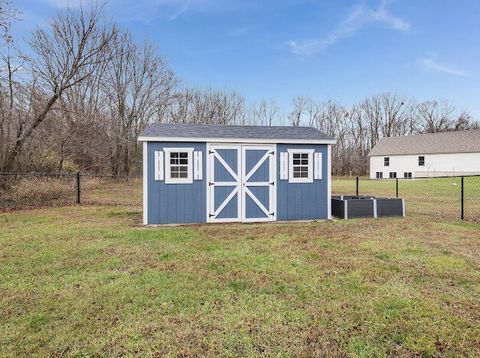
{"points": [[351, 206]]}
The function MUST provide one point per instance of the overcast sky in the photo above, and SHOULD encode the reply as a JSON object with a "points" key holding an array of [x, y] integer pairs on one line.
{"points": [[326, 49]]}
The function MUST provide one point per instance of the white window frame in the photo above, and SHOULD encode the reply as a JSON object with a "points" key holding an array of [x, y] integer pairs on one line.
{"points": [[168, 178], [309, 178]]}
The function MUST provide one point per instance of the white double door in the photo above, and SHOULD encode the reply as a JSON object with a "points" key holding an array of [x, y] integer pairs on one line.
{"points": [[241, 183]]}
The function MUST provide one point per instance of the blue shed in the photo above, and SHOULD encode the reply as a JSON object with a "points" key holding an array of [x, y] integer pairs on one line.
{"points": [[229, 173]]}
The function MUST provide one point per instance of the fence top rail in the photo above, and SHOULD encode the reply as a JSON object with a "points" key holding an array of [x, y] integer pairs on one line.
{"points": [[416, 178], [38, 174], [71, 174]]}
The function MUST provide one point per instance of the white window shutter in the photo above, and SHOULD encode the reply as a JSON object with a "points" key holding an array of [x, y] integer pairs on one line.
{"points": [[197, 163], [283, 166], [317, 164], [158, 165]]}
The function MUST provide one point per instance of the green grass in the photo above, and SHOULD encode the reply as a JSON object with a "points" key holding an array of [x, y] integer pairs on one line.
{"points": [[91, 281]]}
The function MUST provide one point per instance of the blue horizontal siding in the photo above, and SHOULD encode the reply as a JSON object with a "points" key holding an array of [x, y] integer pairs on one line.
{"points": [[175, 203]]}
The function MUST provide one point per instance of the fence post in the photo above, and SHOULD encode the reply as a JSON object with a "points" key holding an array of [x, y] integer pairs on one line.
{"points": [[396, 187], [78, 187], [357, 186], [462, 199]]}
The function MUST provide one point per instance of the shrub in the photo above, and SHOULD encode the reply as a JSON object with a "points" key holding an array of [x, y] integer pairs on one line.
{"points": [[33, 191]]}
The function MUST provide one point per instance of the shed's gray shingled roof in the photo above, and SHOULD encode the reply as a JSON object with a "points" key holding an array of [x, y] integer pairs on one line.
{"points": [[433, 143], [233, 132]]}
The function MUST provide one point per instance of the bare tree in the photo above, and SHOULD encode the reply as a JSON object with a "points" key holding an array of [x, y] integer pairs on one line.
{"points": [[8, 15], [63, 57], [264, 113], [136, 80], [87, 90], [465, 121], [207, 107], [300, 104], [385, 114], [436, 116]]}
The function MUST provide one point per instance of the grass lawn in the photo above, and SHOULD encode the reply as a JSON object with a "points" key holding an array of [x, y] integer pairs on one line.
{"points": [[90, 281]]}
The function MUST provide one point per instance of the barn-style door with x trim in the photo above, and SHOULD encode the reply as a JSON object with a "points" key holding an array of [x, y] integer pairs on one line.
{"points": [[241, 183]]}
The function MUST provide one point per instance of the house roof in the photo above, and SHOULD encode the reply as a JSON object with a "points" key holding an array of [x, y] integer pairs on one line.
{"points": [[233, 133], [433, 143]]}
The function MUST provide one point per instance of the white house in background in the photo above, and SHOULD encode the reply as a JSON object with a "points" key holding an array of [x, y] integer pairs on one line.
{"points": [[427, 155]]}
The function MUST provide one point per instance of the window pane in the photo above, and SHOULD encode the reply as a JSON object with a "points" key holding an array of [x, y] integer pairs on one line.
{"points": [[300, 164], [179, 165]]}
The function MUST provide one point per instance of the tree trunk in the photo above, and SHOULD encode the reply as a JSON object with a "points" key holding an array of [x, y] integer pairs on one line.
{"points": [[21, 139]]}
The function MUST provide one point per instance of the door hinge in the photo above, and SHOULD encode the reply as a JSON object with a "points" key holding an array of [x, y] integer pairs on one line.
{"points": [[210, 183], [210, 215], [272, 214], [272, 152], [211, 152], [272, 183]]}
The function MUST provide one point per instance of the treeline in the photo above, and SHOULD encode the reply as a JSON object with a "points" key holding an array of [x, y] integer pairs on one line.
{"points": [[358, 128], [78, 93]]}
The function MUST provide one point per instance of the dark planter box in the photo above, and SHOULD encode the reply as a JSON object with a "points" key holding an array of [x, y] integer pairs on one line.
{"points": [[349, 207], [390, 207]]}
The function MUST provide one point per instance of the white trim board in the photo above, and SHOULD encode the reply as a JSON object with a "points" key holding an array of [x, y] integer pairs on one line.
{"points": [[329, 182], [145, 183], [237, 140]]}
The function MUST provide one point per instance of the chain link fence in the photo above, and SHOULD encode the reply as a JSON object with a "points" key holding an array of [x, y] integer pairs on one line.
{"points": [[34, 190], [442, 198]]}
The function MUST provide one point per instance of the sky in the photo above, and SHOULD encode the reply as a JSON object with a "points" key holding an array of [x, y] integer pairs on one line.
{"points": [[343, 50]]}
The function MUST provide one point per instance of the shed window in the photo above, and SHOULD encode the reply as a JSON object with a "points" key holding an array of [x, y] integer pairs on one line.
{"points": [[379, 175], [301, 165], [178, 165], [407, 175], [421, 161], [386, 161], [393, 175]]}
